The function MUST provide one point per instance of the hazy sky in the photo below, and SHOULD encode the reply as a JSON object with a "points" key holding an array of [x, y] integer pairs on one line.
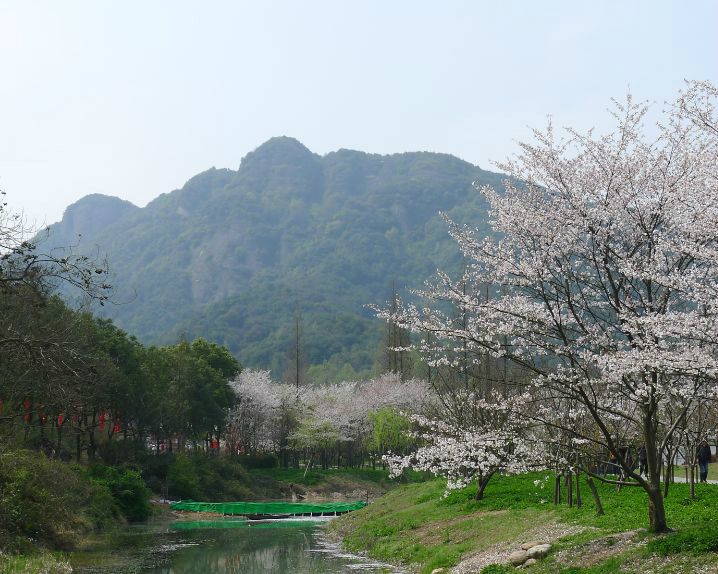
{"points": [[133, 98]]}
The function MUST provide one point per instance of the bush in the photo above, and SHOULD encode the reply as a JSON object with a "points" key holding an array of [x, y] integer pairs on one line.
{"points": [[223, 479], [202, 477], [155, 469], [696, 540], [48, 503], [127, 488], [183, 479]]}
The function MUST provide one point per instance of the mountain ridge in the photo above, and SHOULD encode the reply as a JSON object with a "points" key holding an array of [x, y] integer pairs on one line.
{"points": [[235, 255]]}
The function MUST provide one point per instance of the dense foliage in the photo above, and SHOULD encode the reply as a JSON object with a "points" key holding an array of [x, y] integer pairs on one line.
{"points": [[233, 256], [48, 503], [96, 392]]}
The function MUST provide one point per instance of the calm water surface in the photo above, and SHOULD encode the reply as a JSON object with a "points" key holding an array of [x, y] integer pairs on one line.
{"points": [[222, 547]]}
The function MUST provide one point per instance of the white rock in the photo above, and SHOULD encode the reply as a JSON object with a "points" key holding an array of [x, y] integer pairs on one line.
{"points": [[538, 551], [527, 545], [530, 562], [518, 557], [438, 571]]}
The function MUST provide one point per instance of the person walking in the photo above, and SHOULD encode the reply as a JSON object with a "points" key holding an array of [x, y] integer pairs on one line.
{"points": [[704, 457]]}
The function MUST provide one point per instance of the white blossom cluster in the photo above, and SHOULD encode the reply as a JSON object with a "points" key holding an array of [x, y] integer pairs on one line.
{"points": [[338, 411], [462, 455]]}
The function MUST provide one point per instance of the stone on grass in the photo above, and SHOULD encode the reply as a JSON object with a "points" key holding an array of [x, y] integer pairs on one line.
{"points": [[538, 551], [438, 571], [527, 545], [518, 557], [530, 562]]}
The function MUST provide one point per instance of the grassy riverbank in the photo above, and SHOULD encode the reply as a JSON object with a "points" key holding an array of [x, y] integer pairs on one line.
{"points": [[45, 563], [414, 525]]}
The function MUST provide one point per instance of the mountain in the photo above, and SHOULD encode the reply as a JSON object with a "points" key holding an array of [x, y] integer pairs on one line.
{"points": [[234, 256]]}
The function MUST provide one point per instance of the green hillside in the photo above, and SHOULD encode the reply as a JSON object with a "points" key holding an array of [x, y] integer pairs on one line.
{"points": [[234, 255]]}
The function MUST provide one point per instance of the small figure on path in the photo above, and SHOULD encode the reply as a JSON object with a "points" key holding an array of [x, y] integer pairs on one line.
{"points": [[704, 457]]}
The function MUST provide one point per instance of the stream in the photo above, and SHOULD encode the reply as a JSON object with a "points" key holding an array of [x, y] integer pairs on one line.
{"points": [[221, 546]]}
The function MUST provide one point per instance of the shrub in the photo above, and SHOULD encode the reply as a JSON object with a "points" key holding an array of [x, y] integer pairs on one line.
{"points": [[202, 477], [127, 488], [183, 479], [155, 469], [48, 503], [223, 479]]}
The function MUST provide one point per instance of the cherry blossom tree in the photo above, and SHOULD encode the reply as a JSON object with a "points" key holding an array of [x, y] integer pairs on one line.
{"points": [[463, 455], [605, 265], [265, 414]]}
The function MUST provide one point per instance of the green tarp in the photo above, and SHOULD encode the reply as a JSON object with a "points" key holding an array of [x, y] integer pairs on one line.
{"points": [[268, 508], [236, 523]]}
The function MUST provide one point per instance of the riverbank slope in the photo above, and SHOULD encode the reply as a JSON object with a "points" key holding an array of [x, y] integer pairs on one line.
{"points": [[416, 526]]}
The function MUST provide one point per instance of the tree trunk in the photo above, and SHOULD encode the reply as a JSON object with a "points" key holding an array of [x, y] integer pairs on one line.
{"points": [[91, 438], [654, 464], [693, 481], [483, 481], [78, 445], [656, 510], [579, 502], [59, 441], [596, 498], [557, 490]]}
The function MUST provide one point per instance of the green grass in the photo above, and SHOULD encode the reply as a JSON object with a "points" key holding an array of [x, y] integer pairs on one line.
{"points": [[45, 563], [695, 539], [416, 525]]}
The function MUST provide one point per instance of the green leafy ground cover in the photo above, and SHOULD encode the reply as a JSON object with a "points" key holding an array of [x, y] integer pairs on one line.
{"points": [[415, 525], [41, 564]]}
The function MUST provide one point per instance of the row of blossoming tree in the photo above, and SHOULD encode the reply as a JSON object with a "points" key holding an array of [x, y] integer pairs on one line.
{"points": [[347, 424], [599, 289]]}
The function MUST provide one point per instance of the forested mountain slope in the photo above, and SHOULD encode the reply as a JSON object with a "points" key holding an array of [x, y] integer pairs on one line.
{"points": [[234, 255]]}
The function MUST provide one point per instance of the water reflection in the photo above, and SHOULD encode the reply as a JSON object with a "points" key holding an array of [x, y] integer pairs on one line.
{"points": [[233, 546]]}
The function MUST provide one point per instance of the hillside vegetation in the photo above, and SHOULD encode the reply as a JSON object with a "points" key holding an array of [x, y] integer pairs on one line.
{"points": [[234, 256]]}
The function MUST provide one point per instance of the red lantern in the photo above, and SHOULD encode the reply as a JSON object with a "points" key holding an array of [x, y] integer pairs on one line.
{"points": [[103, 417], [117, 428], [60, 420]]}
